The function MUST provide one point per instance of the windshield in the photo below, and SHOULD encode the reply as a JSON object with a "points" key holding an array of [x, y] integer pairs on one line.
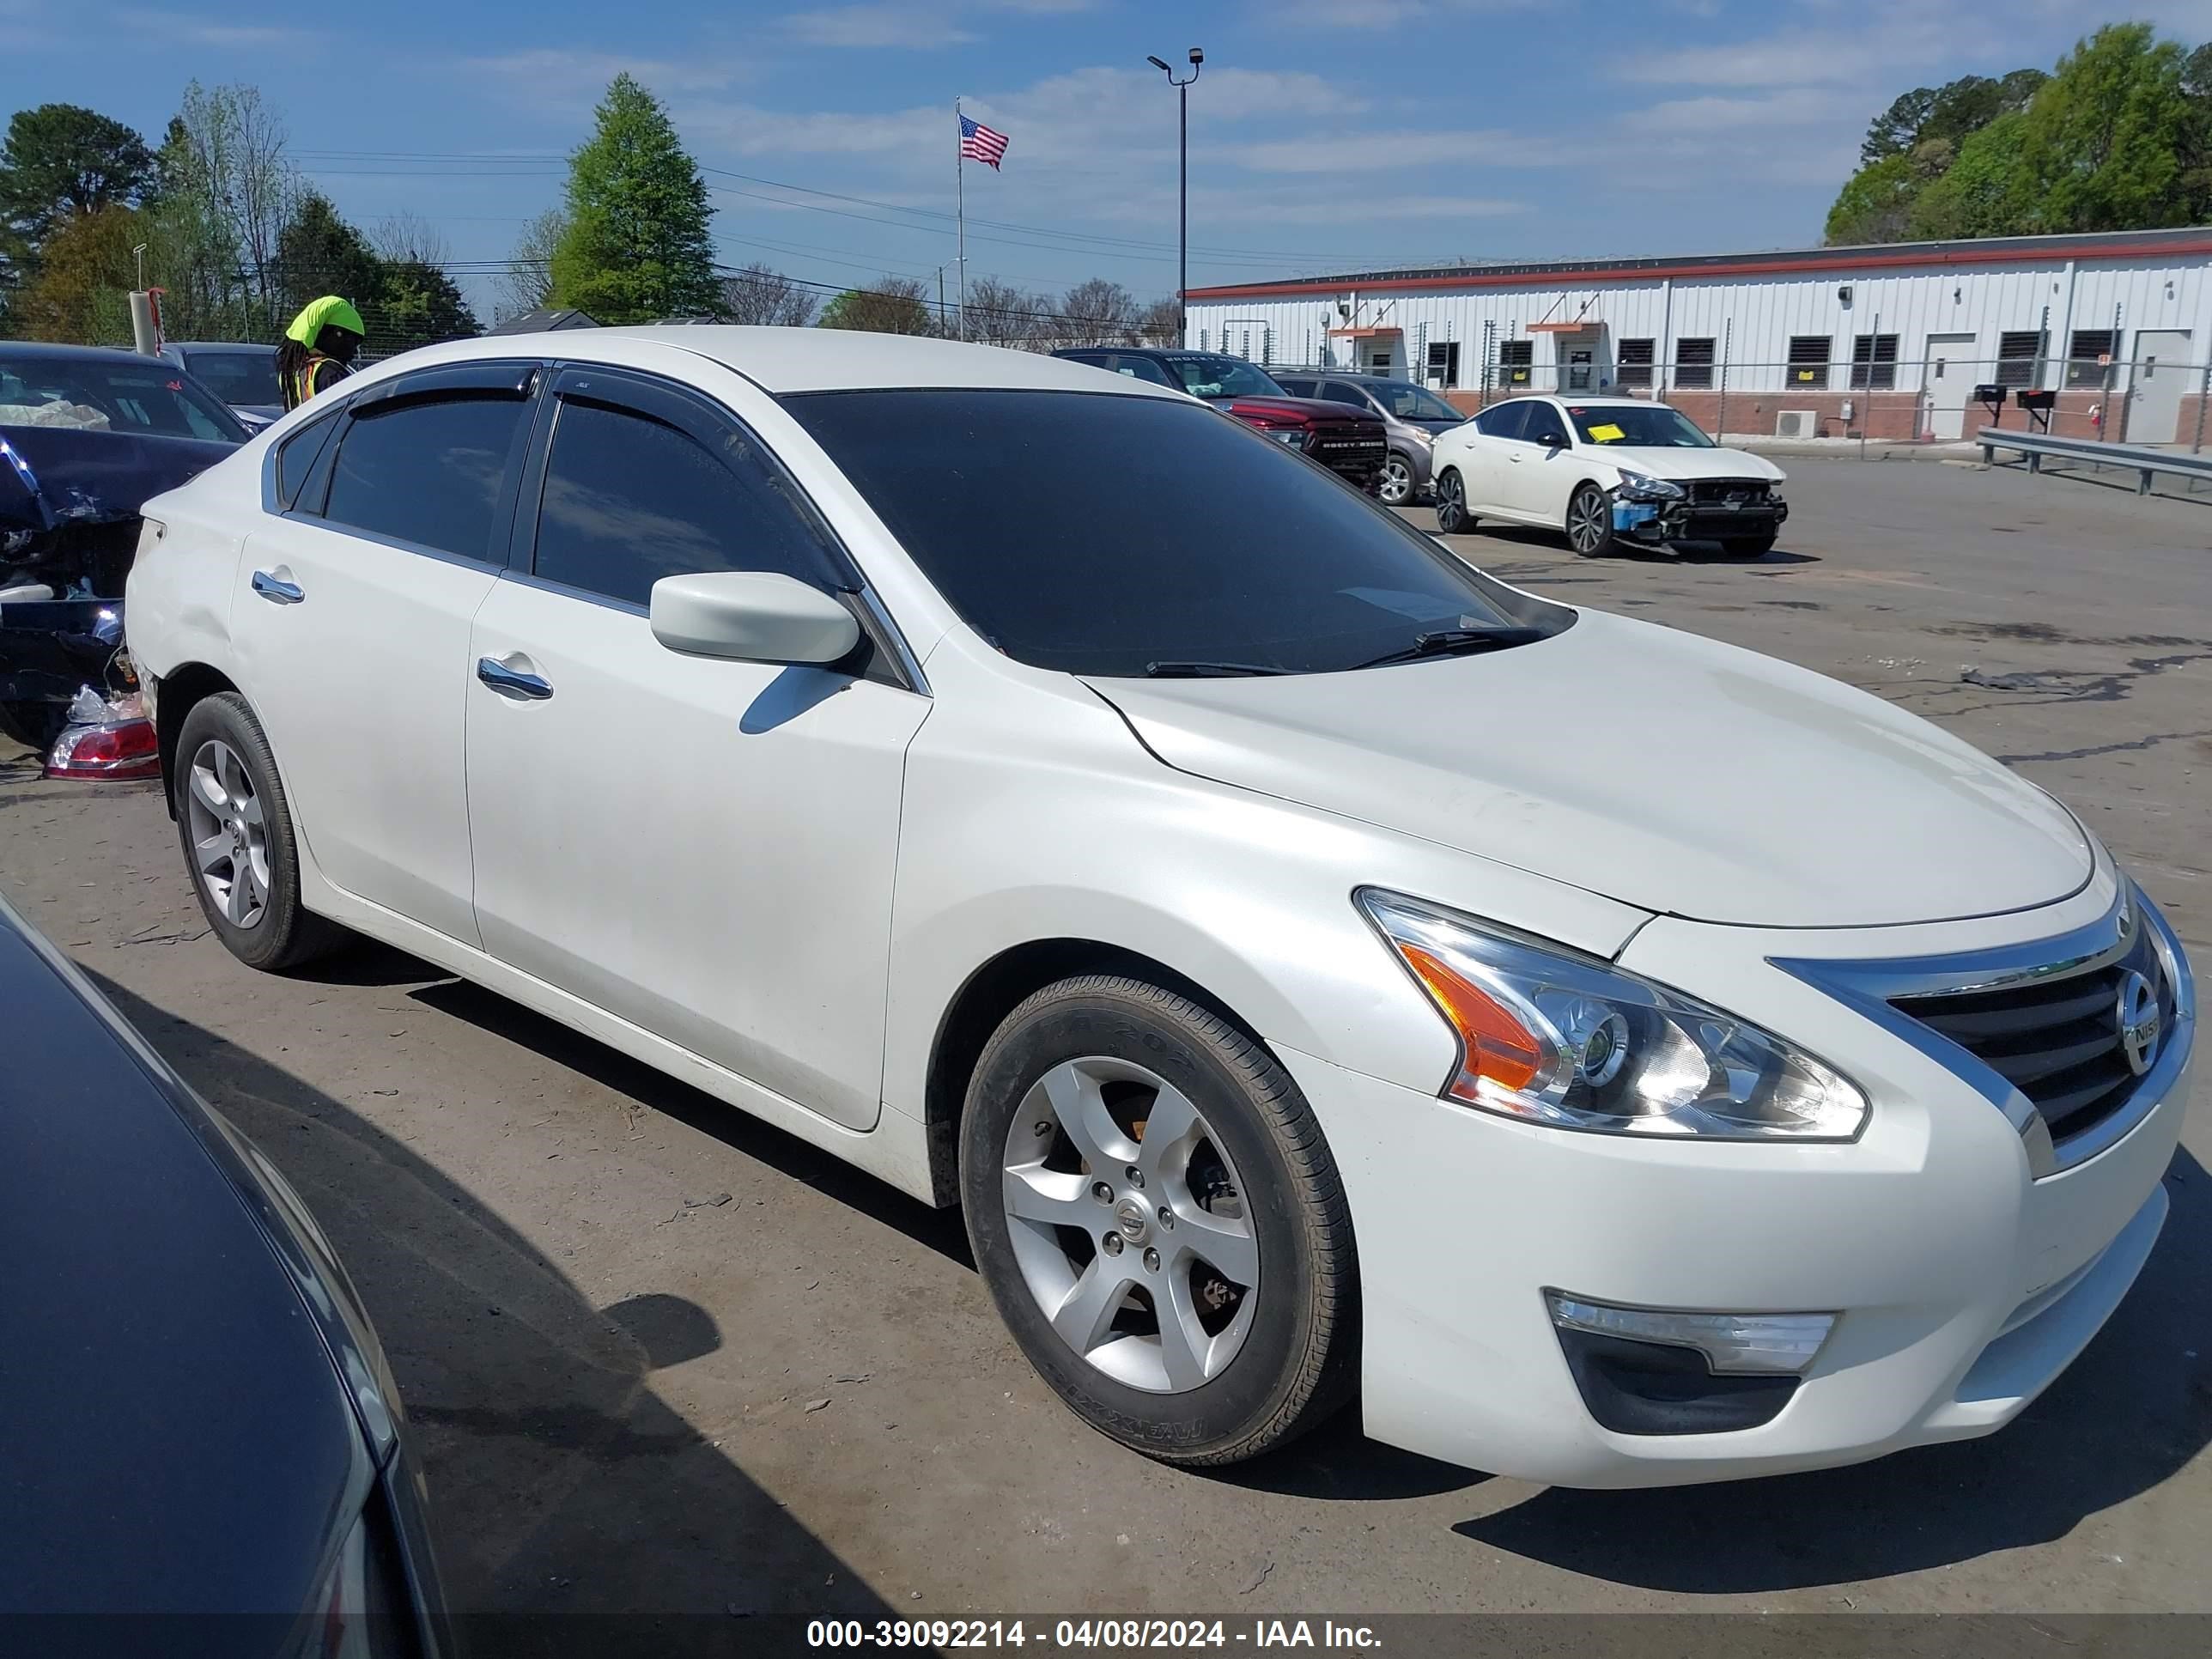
{"points": [[1409, 402], [103, 394], [1206, 375], [1640, 426], [1099, 533], [238, 377]]}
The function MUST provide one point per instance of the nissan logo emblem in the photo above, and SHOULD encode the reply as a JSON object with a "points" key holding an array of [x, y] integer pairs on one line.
{"points": [[2139, 1022]]}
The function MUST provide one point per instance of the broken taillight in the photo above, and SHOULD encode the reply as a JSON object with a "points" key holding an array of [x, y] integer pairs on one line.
{"points": [[113, 750]]}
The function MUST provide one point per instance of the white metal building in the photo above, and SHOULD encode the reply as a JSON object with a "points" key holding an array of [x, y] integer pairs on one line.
{"points": [[1892, 339]]}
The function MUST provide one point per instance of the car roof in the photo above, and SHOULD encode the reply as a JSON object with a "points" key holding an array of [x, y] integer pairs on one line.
{"points": [[37, 349], [220, 345], [795, 360]]}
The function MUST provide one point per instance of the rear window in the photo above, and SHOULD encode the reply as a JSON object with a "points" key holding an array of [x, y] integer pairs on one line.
{"points": [[101, 394], [238, 377], [1113, 535]]}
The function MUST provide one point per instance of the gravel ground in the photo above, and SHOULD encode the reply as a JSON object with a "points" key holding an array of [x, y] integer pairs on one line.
{"points": [[660, 1359]]}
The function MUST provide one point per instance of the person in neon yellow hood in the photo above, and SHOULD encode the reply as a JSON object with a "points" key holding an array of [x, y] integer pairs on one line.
{"points": [[318, 349]]}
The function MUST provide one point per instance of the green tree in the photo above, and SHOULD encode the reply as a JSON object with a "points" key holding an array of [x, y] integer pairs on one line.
{"points": [[893, 306], [59, 161], [418, 303], [86, 268], [2100, 146], [318, 252], [1875, 204], [1984, 191], [636, 247]]}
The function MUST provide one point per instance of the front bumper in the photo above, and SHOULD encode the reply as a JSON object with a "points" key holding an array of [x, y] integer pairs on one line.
{"points": [[1705, 521], [1962, 1287]]}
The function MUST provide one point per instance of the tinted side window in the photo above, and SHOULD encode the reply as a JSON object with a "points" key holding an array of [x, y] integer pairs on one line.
{"points": [[296, 459], [1298, 385], [630, 500], [429, 473], [1342, 391], [1504, 420], [1142, 368], [1546, 425]]}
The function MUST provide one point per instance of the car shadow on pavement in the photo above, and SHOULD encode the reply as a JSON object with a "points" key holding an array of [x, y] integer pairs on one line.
{"points": [[573, 1509], [2130, 1412], [941, 1230]]}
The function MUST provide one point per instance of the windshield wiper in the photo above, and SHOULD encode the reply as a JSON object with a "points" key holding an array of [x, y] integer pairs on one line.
{"points": [[1450, 641], [1204, 670]]}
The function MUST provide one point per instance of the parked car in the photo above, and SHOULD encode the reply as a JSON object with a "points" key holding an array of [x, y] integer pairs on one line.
{"points": [[86, 435], [200, 1418], [1411, 417], [1352, 445], [1308, 962], [241, 373], [1609, 471]]}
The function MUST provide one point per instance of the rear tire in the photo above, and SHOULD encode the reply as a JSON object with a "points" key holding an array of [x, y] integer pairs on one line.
{"points": [[241, 849], [1253, 1261], [1589, 522], [1452, 517]]}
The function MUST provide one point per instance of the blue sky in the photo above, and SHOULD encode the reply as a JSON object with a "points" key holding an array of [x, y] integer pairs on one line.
{"points": [[1326, 135]]}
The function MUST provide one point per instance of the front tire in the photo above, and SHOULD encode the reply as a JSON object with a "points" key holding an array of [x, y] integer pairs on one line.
{"points": [[1452, 517], [1589, 522], [1159, 1221], [239, 846], [1396, 488]]}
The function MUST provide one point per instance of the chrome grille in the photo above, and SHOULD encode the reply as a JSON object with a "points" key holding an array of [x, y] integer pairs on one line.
{"points": [[2055, 1038]]}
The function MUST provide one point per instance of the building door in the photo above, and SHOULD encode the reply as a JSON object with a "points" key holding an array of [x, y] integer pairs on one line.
{"points": [[2162, 375], [1581, 370], [1948, 376]]}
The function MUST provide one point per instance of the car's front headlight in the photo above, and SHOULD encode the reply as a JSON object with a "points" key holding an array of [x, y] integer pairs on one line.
{"points": [[1643, 487], [1553, 1037]]}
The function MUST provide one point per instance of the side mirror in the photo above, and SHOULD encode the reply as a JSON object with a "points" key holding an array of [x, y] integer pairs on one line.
{"points": [[753, 616]]}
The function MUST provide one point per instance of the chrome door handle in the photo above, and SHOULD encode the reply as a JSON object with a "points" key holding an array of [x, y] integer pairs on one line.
{"points": [[275, 590], [498, 675]]}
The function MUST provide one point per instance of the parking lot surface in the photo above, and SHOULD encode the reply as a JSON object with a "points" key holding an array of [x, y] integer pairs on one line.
{"points": [[660, 1358]]}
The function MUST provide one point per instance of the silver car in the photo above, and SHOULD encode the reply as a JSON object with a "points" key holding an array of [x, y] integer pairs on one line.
{"points": [[1413, 416]]}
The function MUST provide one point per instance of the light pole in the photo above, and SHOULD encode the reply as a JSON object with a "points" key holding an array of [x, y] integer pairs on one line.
{"points": [[1182, 230]]}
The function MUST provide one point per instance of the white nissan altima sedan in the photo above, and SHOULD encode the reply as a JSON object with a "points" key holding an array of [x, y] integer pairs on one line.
{"points": [[1313, 966]]}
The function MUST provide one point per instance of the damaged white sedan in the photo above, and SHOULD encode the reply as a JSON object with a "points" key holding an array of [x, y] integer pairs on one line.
{"points": [[1609, 472]]}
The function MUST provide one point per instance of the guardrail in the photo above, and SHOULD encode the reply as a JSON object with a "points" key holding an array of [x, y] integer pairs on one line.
{"points": [[2139, 458]]}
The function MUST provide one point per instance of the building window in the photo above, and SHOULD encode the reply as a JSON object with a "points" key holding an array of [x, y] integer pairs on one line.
{"points": [[1808, 363], [2088, 344], [1873, 360], [1443, 363], [1635, 361], [1693, 362], [1515, 362], [2019, 357]]}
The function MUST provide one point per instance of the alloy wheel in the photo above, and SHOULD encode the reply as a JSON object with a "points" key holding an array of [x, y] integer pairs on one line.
{"points": [[1451, 504], [1589, 520], [229, 835], [1129, 1226], [1397, 482]]}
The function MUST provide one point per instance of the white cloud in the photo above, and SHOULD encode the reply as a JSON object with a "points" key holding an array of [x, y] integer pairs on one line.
{"points": [[1375, 15], [1377, 152], [186, 29], [882, 26]]}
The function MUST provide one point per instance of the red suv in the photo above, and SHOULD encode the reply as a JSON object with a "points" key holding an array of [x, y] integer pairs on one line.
{"points": [[1348, 442]]}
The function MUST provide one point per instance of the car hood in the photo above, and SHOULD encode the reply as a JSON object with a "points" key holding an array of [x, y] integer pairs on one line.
{"points": [[176, 1423], [59, 474], [1664, 461], [1304, 408], [1672, 772]]}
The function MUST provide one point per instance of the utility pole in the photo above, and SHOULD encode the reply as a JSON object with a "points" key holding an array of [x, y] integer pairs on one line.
{"points": [[1183, 150]]}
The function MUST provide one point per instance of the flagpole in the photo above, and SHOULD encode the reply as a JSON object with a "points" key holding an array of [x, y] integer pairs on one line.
{"points": [[960, 207]]}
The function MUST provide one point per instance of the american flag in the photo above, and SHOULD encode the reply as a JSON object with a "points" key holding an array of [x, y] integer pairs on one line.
{"points": [[980, 143]]}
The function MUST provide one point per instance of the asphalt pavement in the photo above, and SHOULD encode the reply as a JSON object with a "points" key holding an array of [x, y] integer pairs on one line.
{"points": [[661, 1359]]}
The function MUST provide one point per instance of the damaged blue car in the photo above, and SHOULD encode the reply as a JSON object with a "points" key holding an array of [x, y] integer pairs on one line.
{"points": [[87, 437]]}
